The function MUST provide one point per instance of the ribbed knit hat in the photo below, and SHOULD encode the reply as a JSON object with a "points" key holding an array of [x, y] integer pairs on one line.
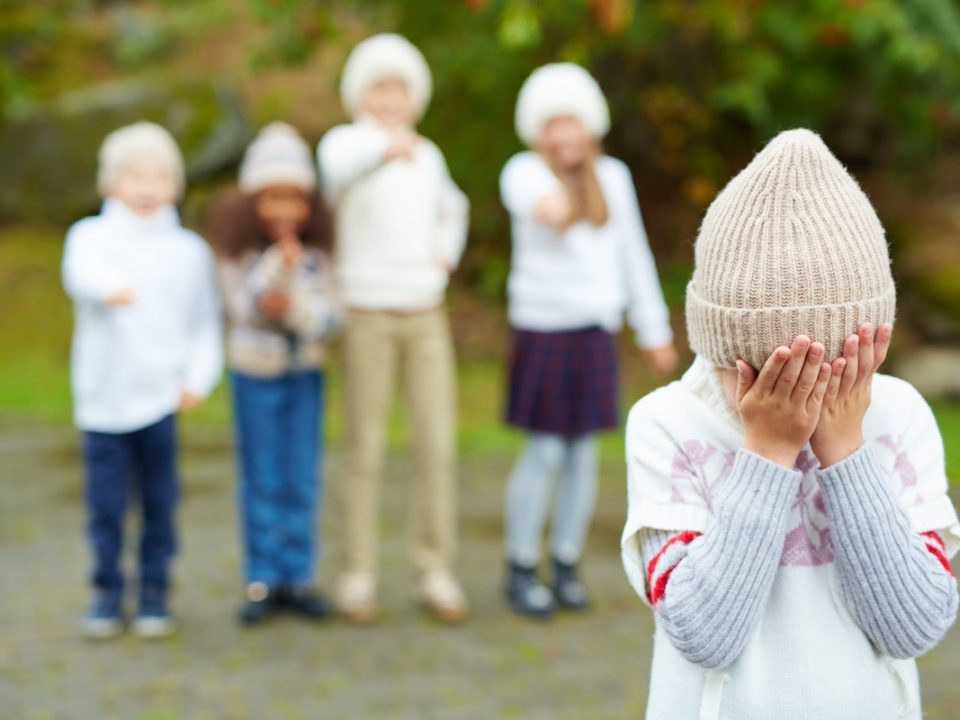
{"points": [[140, 142], [277, 156], [386, 55], [560, 89], [790, 246]]}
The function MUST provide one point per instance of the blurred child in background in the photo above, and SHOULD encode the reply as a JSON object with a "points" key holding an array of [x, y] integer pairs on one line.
{"points": [[580, 259], [272, 238], [788, 520], [147, 345], [401, 226]]}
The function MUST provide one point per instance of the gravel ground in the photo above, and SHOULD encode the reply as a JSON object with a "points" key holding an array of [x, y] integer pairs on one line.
{"points": [[407, 667]]}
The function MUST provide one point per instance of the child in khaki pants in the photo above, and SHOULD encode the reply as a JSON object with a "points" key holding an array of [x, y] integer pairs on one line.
{"points": [[401, 227]]}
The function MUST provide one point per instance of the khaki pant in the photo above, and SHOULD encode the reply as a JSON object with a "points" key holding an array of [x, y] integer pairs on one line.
{"points": [[377, 345]]}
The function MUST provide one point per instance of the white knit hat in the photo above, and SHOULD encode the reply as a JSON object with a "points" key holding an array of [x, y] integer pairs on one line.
{"points": [[560, 89], [277, 156], [790, 246], [382, 56], [142, 141]]}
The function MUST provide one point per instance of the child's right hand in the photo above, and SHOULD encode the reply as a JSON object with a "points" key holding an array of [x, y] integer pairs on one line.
{"points": [[273, 304], [403, 147], [553, 209], [780, 407], [121, 298]]}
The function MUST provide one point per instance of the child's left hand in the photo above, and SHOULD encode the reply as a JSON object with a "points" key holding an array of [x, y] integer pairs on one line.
{"points": [[188, 401], [839, 432]]}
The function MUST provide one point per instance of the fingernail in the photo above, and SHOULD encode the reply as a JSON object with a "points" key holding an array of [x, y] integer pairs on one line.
{"points": [[816, 349]]}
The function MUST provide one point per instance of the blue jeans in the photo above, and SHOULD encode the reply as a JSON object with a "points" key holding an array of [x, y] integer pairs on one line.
{"points": [[278, 425], [143, 462]]}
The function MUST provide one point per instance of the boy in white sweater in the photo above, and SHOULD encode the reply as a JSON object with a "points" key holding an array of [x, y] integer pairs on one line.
{"points": [[789, 522], [401, 226], [147, 344]]}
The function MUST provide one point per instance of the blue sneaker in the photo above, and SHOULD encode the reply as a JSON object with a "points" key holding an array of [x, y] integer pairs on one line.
{"points": [[104, 620], [153, 621]]}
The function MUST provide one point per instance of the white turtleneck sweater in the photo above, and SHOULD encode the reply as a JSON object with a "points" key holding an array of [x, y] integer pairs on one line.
{"points": [[585, 275], [131, 363], [401, 225]]}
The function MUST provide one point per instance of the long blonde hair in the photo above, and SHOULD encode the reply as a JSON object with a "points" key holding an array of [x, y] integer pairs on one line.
{"points": [[583, 190]]}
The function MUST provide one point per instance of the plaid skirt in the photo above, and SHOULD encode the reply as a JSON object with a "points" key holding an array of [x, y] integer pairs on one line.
{"points": [[563, 383]]}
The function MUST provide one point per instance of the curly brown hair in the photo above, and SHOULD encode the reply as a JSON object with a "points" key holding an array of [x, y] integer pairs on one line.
{"points": [[233, 228]]}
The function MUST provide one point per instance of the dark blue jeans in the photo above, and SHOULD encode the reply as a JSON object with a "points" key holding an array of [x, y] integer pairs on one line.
{"points": [[142, 463], [278, 436]]}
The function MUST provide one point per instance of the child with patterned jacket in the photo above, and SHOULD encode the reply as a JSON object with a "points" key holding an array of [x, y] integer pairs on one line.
{"points": [[788, 518], [147, 345], [401, 226], [272, 237], [580, 261]]}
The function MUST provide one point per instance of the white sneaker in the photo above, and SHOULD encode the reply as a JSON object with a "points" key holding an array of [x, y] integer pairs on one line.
{"points": [[443, 597], [355, 597], [154, 627]]}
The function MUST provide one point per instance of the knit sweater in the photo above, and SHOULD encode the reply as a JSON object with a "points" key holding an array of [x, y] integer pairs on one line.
{"points": [[585, 275], [787, 593], [401, 225], [131, 363], [267, 347]]}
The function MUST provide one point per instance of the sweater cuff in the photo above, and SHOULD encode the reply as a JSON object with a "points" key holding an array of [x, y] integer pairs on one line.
{"points": [[756, 485], [856, 485]]}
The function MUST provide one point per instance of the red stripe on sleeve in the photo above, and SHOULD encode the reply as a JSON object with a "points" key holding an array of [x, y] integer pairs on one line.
{"points": [[658, 586], [937, 547]]}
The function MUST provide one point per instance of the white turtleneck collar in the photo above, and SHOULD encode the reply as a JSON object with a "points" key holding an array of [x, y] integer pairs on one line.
{"points": [[161, 221], [705, 381]]}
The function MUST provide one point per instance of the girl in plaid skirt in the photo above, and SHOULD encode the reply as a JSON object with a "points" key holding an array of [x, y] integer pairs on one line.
{"points": [[580, 260]]}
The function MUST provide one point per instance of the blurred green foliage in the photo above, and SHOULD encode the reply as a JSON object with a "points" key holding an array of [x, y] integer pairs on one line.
{"points": [[694, 87]]}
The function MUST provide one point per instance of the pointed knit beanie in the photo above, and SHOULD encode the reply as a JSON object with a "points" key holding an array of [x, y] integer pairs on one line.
{"points": [[790, 246]]}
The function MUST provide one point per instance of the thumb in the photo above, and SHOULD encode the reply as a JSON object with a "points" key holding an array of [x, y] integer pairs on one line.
{"points": [[746, 376]]}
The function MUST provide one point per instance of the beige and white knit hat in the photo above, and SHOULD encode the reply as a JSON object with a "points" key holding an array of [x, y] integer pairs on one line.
{"points": [[790, 246], [139, 142], [558, 89], [382, 56], [277, 156]]}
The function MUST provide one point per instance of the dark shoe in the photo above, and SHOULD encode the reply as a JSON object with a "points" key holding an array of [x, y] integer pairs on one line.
{"points": [[262, 602], [104, 620], [528, 596], [153, 619], [305, 601], [570, 592]]}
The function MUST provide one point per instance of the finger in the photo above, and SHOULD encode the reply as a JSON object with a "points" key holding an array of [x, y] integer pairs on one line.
{"points": [[746, 376], [836, 374], [809, 374], [882, 344], [851, 354], [865, 367], [791, 371], [767, 379], [817, 395]]}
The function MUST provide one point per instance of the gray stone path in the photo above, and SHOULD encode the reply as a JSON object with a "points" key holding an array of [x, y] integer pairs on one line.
{"points": [[408, 668]]}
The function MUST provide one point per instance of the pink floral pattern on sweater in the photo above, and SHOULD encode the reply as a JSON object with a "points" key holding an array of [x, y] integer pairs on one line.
{"points": [[698, 468]]}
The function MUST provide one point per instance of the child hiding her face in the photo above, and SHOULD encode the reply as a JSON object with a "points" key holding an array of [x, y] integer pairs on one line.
{"points": [[272, 238], [788, 518]]}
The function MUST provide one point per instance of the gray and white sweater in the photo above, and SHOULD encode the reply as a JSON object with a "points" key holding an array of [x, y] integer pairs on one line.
{"points": [[787, 593]]}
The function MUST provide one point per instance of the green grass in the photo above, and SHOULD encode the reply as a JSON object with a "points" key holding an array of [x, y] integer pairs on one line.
{"points": [[34, 366]]}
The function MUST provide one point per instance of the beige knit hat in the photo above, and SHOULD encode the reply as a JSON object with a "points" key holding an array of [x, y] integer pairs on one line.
{"points": [[277, 156], [790, 246], [139, 142]]}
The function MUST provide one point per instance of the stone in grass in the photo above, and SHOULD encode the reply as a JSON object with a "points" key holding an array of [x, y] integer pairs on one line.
{"points": [[50, 151]]}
